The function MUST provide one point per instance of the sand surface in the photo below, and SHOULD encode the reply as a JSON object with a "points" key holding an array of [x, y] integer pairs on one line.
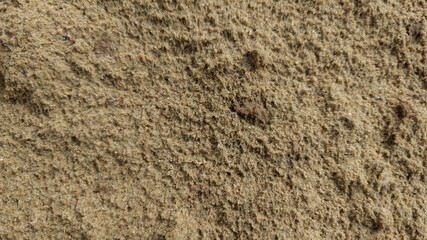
{"points": [[213, 119]]}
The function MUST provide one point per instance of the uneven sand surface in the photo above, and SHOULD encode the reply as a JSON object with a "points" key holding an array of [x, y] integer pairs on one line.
{"points": [[212, 119]]}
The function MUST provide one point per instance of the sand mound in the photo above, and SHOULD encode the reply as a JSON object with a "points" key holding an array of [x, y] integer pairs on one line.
{"points": [[213, 119]]}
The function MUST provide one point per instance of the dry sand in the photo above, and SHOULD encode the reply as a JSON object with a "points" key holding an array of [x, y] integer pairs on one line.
{"points": [[213, 119]]}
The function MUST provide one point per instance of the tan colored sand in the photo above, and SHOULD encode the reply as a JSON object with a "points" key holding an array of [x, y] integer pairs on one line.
{"points": [[213, 119]]}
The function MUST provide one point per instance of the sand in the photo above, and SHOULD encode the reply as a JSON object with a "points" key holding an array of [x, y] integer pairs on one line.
{"points": [[213, 119]]}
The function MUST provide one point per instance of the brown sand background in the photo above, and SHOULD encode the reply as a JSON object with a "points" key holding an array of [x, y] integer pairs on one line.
{"points": [[213, 119]]}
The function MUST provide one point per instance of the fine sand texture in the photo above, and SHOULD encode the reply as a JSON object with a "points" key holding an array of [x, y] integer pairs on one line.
{"points": [[213, 119]]}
